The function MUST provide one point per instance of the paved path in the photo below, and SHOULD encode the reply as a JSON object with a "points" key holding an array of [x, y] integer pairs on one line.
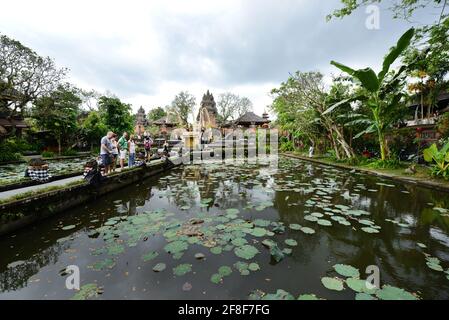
{"points": [[10, 193]]}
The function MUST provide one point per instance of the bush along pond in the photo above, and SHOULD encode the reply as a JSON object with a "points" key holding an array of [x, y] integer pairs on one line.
{"points": [[253, 231]]}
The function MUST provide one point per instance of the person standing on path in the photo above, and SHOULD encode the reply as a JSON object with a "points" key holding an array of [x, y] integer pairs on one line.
{"points": [[123, 148], [114, 152], [106, 151], [132, 151]]}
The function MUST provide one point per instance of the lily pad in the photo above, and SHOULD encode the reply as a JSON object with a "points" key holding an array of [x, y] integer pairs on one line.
{"points": [[291, 242], [70, 227], [307, 230], [295, 227], [347, 270], [115, 249], [308, 297], [254, 266], [232, 211], [182, 269], [325, 223], [392, 293], [225, 271], [332, 283], [259, 232], [106, 263], [216, 278], [311, 218], [159, 267], [150, 256], [238, 242], [176, 247], [87, 291], [279, 295], [246, 252], [359, 285], [370, 230], [363, 296]]}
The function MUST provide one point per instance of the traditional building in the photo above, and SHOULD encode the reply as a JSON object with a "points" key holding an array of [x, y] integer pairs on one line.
{"points": [[207, 115], [425, 120], [15, 124], [166, 124], [141, 122], [249, 120]]}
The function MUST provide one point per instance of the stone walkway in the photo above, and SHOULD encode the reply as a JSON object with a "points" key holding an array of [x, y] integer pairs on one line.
{"points": [[10, 193]]}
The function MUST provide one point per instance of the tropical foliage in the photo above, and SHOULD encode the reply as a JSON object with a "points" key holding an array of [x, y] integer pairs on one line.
{"points": [[381, 93], [439, 159]]}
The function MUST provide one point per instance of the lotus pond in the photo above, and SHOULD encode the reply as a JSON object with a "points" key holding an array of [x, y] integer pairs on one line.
{"points": [[11, 173], [240, 231]]}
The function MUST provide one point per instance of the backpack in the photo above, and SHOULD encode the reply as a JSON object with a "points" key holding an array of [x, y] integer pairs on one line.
{"points": [[148, 144]]}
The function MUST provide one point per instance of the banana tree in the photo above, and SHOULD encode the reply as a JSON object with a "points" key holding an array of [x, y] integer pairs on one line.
{"points": [[380, 92]]}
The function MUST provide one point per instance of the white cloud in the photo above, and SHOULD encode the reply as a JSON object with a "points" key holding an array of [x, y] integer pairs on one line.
{"points": [[147, 51]]}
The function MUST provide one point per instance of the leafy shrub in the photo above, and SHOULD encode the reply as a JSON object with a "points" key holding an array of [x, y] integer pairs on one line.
{"points": [[439, 159], [287, 146], [385, 164], [11, 149], [48, 154], [69, 153]]}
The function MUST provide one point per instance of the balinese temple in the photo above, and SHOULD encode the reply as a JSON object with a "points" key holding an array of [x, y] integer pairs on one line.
{"points": [[207, 115], [141, 122], [166, 124]]}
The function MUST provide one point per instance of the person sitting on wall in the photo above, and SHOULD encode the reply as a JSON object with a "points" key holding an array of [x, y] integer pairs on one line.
{"points": [[140, 162], [92, 173], [38, 170]]}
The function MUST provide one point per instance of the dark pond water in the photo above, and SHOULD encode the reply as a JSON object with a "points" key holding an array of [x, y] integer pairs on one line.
{"points": [[330, 217]]}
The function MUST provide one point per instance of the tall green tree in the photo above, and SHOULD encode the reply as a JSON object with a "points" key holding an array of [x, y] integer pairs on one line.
{"points": [[93, 128], [381, 92], [116, 115], [182, 106], [156, 114], [58, 112], [304, 100], [24, 76]]}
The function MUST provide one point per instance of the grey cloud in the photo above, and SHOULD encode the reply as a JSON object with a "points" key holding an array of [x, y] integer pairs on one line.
{"points": [[261, 43]]}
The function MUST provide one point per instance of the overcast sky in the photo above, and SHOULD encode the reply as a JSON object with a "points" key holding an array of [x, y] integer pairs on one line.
{"points": [[147, 51]]}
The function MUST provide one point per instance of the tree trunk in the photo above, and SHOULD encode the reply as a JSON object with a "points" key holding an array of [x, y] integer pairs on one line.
{"points": [[59, 145], [383, 147], [342, 141]]}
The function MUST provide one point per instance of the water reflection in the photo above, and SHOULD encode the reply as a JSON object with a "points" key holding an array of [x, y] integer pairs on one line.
{"points": [[404, 213]]}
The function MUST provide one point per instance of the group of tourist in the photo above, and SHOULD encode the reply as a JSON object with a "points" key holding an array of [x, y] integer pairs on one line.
{"points": [[112, 149]]}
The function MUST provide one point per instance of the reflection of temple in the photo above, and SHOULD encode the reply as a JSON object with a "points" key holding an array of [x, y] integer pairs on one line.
{"points": [[141, 121], [207, 116]]}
